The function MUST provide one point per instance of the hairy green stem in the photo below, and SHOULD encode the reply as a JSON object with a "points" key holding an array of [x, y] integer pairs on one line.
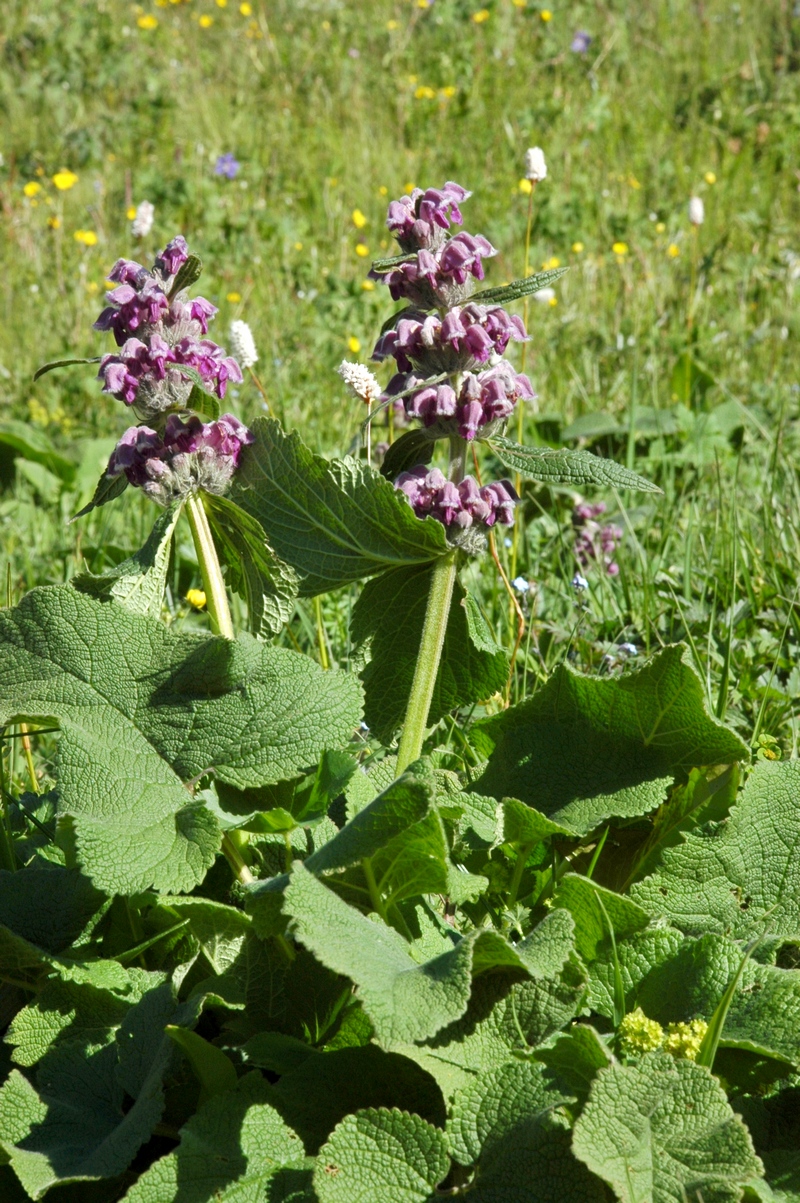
{"points": [[213, 583], [236, 861], [372, 886], [519, 869], [427, 667]]}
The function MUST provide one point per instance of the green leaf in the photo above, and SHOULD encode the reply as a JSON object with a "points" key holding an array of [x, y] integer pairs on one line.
{"points": [[62, 363], [267, 585], [201, 401], [412, 448], [125, 692], [48, 906], [519, 288], [405, 1000], [334, 521], [213, 1070], [574, 1058], [690, 381], [664, 1130], [327, 1086], [108, 488], [219, 930], [593, 907], [575, 468], [379, 1154], [34, 445], [189, 273], [742, 876], [637, 955], [506, 1124], [236, 1149], [582, 749], [522, 826], [388, 618], [138, 583]]}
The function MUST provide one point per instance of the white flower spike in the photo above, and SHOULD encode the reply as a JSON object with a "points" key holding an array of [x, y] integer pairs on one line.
{"points": [[697, 211], [360, 381], [142, 223], [243, 344], [535, 166]]}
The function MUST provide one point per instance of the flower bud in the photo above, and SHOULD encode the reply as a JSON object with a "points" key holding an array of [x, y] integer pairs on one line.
{"points": [[360, 380]]}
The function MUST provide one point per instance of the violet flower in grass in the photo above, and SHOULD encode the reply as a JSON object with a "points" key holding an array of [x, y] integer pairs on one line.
{"points": [[189, 456], [595, 543], [418, 221], [226, 165]]}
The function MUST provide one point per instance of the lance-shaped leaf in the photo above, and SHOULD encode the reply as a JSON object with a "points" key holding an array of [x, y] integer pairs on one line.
{"points": [[138, 583], [268, 586], [405, 1000], [560, 466], [189, 273], [388, 617], [201, 401], [506, 293], [146, 708], [583, 749], [381, 1154], [664, 1130], [334, 521], [741, 876], [505, 1123], [236, 1149], [62, 363], [108, 488]]}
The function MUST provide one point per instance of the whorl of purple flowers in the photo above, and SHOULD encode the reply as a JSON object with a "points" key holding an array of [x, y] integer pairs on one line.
{"points": [[593, 542], [159, 334], [190, 455], [458, 506], [483, 398]]}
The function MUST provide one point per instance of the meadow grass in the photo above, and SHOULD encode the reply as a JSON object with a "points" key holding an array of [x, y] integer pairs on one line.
{"points": [[670, 348]]}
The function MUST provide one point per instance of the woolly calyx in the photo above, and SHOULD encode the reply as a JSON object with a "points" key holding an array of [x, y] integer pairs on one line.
{"points": [[464, 509], [439, 278], [191, 455]]}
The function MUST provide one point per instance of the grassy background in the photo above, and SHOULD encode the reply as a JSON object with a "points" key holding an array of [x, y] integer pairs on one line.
{"points": [[678, 356]]}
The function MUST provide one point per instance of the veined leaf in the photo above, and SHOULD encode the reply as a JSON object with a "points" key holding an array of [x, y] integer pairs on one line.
{"points": [[189, 273], [412, 448], [62, 363], [593, 907], [138, 583], [388, 617], [125, 692], [582, 749], [664, 1130], [334, 521], [108, 489], [561, 466], [267, 585], [574, 1058], [507, 293], [201, 401], [379, 1154]]}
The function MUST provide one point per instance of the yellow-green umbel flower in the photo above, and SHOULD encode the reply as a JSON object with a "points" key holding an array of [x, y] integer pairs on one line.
{"points": [[637, 1034], [684, 1039]]}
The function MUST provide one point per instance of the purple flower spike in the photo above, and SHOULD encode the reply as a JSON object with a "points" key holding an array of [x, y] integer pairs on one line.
{"points": [[593, 542], [418, 221], [226, 165], [581, 42], [458, 507]]}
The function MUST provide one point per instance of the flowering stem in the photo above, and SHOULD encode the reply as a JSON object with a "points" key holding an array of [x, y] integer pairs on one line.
{"points": [[520, 405], [213, 584], [430, 653]]}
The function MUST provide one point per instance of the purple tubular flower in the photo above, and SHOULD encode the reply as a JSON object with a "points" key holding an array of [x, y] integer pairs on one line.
{"points": [[457, 507], [461, 256], [127, 271], [593, 542], [467, 336], [173, 256], [438, 277], [418, 220], [191, 455]]}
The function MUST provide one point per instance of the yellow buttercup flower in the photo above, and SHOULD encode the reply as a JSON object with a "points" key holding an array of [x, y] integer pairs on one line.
{"points": [[130, 212], [449, 92], [423, 92], [410, 188], [222, 3], [481, 15], [298, 246], [546, 15], [233, 297], [577, 248], [353, 345], [148, 21], [196, 598], [86, 237], [710, 178], [54, 223], [64, 180], [205, 21], [553, 301], [32, 188], [673, 251], [368, 285], [362, 250], [620, 248], [526, 186], [383, 190], [358, 219], [246, 10], [550, 264], [660, 227], [392, 25], [326, 25], [519, 3]]}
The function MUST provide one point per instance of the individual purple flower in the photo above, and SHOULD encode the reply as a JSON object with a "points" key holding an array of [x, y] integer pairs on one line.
{"points": [[418, 221], [484, 400], [581, 42], [173, 256], [226, 165], [190, 456], [464, 509]]}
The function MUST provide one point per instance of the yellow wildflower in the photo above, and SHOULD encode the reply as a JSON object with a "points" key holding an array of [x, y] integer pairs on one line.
{"points": [[550, 264], [32, 188], [298, 246], [684, 1039], [412, 79], [390, 25], [130, 212], [633, 182], [92, 287], [710, 178], [410, 187], [552, 302], [546, 15], [480, 16], [577, 248], [673, 250], [222, 3], [526, 186], [233, 297], [54, 223], [638, 1034], [358, 218], [620, 248], [383, 190], [519, 3], [449, 92], [64, 180], [660, 227], [326, 25], [86, 237], [362, 250], [205, 21], [246, 10], [353, 345], [368, 285], [423, 92], [196, 598], [148, 21], [38, 413]]}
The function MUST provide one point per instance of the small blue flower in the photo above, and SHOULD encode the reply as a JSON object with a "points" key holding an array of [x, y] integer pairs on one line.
{"points": [[630, 649], [226, 165], [579, 583], [521, 584], [581, 42]]}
